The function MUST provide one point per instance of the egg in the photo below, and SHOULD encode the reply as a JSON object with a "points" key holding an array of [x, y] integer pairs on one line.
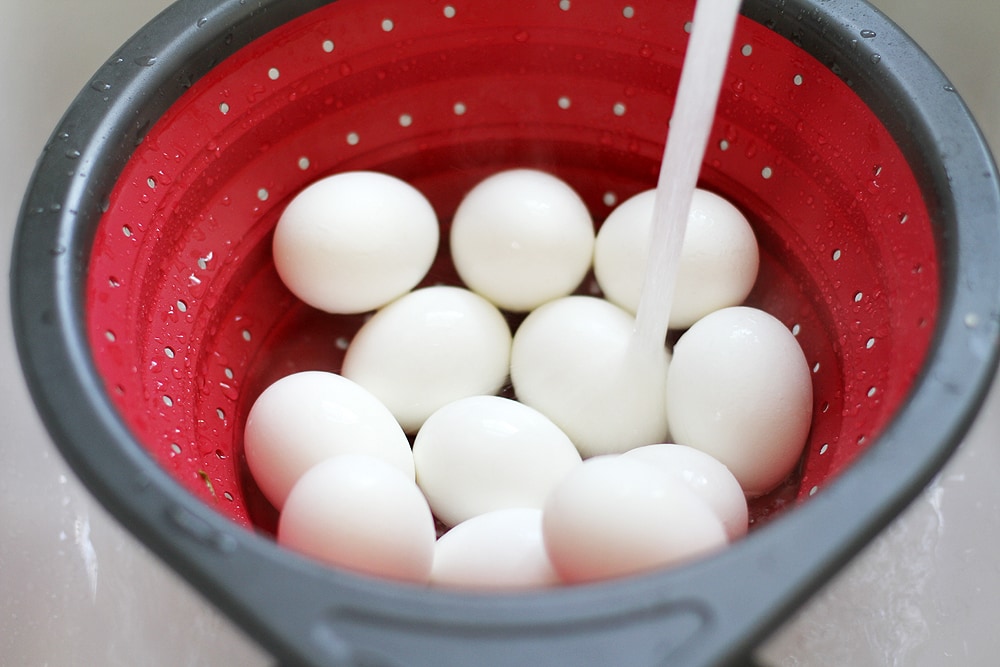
{"points": [[354, 241], [306, 417], [614, 516], [740, 389], [706, 476], [499, 550], [428, 348], [486, 453], [718, 262], [575, 361], [522, 237], [361, 514]]}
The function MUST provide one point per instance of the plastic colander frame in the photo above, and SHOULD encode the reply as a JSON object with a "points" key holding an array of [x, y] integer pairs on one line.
{"points": [[712, 612]]}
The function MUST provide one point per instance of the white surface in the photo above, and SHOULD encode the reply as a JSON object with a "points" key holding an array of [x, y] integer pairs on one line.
{"points": [[75, 589]]}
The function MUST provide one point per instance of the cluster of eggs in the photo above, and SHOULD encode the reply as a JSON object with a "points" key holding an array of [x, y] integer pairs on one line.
{"points": [[581, 477]]}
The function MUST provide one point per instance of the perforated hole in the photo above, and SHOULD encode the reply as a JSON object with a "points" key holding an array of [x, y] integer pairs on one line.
{"points": [[168, 401], [110, 335], [797, 79], [746, 49], [610, 198], [564, 102], [303, 163], [328, 45], [405, 120], [175, 448], [564, 5], [459, 108], [224, 108], [169, 352], [618, 109], [766, 173], [387, 25], [449, 12], [353, 139], [723, 145], [263, 194], [182, 306], [273, 74], [628, 11]]}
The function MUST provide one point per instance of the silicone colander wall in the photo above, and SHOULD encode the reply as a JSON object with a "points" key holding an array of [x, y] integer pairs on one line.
{"points": [[188, 320]]}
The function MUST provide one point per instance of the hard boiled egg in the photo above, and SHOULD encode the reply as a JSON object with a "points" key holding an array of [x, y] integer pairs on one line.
{"points": [[740, 389], [522, 237], [310, 416], [485, 453], [362, 514], [428, 348], [706, 476], [575, 361], [615, 515], [718, 261], [354, 241], [502, 549]]}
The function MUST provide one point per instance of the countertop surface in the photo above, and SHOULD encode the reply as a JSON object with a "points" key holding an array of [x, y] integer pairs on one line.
{"points": [[77, 589]]}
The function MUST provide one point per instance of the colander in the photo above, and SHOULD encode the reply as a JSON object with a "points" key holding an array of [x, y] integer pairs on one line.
{"points": [[148, 313]]}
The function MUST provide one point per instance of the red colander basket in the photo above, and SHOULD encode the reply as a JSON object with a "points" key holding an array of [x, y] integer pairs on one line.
{"points": [[149, 314]]}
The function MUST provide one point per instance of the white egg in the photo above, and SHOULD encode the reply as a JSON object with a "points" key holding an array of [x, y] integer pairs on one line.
{"points": [[502, 549], [615, 516], [354, 241], [360, 513], [485, 453], [740, 389], [574, 361], [718, 263], [429, 348], [307, 417], [522, 237], [706, 476]]}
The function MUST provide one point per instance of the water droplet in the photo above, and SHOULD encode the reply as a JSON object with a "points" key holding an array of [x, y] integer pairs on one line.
{"points": [[202, 21], [646, 51], [72, 154], [521, 36], [868, 34], [875, 58], [100, 86], [145, 61]]}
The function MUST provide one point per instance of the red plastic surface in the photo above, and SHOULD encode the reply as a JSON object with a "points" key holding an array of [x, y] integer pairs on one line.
{"points": [[189, 322]]}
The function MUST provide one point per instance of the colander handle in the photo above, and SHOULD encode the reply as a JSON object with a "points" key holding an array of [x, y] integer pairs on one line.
{"points": [[676, 634]]}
